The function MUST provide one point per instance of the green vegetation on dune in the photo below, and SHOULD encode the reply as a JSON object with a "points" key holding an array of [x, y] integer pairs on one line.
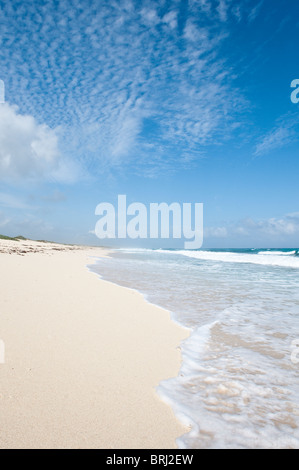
{"points": [[17, 239], [21, 238], [4, 237]]}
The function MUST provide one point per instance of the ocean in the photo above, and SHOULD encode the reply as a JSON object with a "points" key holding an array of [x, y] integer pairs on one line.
{"points": [[238, 386]]}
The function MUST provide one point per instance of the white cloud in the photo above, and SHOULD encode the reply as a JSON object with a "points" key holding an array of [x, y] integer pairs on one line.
{"points": [[149, 16], [30, 151], [283, 134], [273, 228], [276, 139], [216, 232], [222, 10], [227, 9], [27, 149], [287, 225], [170, 19], [114, 76], [255, 11]]}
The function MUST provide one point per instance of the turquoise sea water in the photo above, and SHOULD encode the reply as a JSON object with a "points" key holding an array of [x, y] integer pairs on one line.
{"points": [[238, 386]]}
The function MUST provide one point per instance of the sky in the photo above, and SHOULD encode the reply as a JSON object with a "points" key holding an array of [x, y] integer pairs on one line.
{"points": [[159, 100]]}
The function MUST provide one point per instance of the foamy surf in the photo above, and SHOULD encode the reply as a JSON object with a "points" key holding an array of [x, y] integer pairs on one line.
{"points": [[271, 258], [238, 386]]}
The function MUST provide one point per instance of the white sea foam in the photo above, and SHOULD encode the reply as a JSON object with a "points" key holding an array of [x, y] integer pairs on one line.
{"points": [[277, 253], [282, 259], [237, 387]]}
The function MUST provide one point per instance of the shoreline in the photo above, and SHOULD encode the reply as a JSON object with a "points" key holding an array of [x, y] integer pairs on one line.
{"points": [[133, 289], [73, 380], [183, 419]]}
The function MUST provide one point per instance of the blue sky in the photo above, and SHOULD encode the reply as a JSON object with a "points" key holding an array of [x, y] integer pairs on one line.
{"points": [[161, 100]]}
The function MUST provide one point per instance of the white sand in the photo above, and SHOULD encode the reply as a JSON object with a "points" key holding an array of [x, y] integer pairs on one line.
{"points": [[83, 356]]}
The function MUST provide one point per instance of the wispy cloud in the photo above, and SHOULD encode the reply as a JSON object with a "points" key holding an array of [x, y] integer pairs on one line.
{"points": [[223, 9], [216, 232], [271, 228], [109, 78], [255, 11], [226, 10], [287, 225], [283, 134]]}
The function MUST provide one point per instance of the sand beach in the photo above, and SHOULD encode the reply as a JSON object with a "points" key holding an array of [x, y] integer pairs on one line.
{"points": [[83, 357]]}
